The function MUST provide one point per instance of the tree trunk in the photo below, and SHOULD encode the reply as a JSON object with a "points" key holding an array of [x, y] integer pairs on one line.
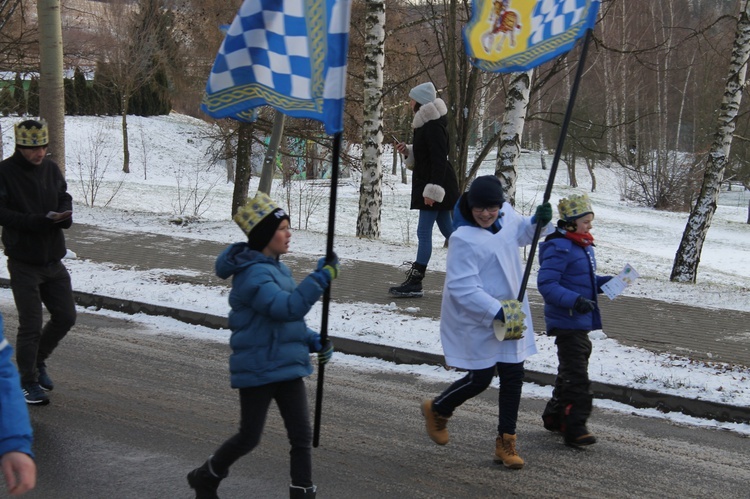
{"points": [[590, 164], [509, 145], [685, 268], [51, 93], [125, 146], [370, 189], [244, 169]]}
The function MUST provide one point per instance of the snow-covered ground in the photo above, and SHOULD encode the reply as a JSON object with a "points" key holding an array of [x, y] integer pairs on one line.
{"points": [[171, 177]]}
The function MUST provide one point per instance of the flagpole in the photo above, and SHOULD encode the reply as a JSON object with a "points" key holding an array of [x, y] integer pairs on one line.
{"points": [[327, 293], [556, 160]]}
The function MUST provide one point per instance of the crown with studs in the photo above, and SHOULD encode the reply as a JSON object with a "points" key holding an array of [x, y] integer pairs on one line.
{"points": [[32, 133], [574, 207]]}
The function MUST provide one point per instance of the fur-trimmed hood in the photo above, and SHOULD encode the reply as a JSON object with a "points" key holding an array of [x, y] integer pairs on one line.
{"points": [[429, 112]]}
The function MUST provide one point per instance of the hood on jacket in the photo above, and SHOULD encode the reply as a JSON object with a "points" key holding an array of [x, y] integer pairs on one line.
{"points": [[237, 257]]}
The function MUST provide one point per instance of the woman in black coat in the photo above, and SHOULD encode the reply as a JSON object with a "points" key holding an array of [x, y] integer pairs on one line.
{"points": [[434, 190]]}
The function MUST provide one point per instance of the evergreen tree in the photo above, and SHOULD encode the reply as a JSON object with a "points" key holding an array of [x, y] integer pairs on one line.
{"points": [[82, 92], [71, 106], [33, 99], [19, 96], [105, 101], [6, 101]]}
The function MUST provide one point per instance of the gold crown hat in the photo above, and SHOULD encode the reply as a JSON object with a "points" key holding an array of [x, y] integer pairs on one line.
{"points": [[258, 208], [32, 133], [574, 207]]}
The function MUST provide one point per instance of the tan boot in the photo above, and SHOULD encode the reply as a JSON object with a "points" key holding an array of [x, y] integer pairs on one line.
{"points": [[505, 452], [435, 423]]}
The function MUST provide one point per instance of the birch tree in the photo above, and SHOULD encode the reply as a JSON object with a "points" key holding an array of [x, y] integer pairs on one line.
{"points": [[509, 143], [51, 91], [370, 189], [685, 268]]}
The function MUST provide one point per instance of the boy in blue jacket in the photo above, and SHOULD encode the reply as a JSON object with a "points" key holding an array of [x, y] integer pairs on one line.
{"points": [[16, 458], [270, 342], [568, 283]]}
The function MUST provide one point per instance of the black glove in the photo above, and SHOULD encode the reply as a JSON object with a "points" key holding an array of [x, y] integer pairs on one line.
{"points": [[584, 305]]}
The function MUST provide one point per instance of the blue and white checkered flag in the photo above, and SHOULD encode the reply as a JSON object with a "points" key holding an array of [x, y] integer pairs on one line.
{"points": [[518, 35], [288, 54]]}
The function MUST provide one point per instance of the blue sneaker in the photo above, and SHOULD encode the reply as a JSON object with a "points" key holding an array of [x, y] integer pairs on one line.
{"points": [[44, 380], [34, 394]]}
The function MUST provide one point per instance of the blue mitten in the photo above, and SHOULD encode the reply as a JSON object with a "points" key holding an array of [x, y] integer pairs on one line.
{"points": [[325, 353], [330, 266]]}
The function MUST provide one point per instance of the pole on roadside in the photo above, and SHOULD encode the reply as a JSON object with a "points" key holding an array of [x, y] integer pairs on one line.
{"points": [[269, 161]]}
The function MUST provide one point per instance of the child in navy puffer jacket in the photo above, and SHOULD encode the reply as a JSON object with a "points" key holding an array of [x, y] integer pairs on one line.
{"points": [[568, 283], [271, 344]]}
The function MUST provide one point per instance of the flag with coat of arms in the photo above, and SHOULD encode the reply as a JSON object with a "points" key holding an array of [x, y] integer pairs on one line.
{"points": [[518, 35], [288, 54]]}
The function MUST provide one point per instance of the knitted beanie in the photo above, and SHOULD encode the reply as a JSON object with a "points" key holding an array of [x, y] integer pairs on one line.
{"points": [[259, 219], [424, 93], [485, 191], [574, 207], [31, 133]]}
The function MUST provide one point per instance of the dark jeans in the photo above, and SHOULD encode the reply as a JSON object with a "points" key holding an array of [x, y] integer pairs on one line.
{"points": [[34, 286], [291, 398], [475, 382], [571, 397]]}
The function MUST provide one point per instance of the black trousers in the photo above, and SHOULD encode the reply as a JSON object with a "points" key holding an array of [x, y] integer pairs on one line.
{"points": [[34, 286], [571, 398], [291, 398], [475, 382]]}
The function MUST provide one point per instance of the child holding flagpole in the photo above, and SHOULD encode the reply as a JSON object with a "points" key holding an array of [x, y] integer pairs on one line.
{"points": [[271, 344]]}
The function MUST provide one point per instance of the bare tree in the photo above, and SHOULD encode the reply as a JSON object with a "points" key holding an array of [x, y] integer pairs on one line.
{"points": [[129, 55], [685, 268]]}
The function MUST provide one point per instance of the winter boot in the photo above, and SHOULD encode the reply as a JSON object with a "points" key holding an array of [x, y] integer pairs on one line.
{"points": [[412, 286], [297, 492], [435, 423], [205, 481], [574, 428], [505, 452], [551, 416]]}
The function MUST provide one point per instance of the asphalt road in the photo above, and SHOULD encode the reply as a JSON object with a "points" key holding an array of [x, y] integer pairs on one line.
{"points": [[132, 413]]}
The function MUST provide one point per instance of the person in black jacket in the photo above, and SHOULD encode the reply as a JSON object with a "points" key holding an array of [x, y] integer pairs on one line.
{"points": [[434, 187], [34, 209]]}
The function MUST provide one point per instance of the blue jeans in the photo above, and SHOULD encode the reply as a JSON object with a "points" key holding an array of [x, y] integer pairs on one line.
{"points": [[477, 381], [291, 398], [427, 219]]}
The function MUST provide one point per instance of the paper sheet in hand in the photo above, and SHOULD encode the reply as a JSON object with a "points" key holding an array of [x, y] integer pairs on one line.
{"points": [[618, 283]]}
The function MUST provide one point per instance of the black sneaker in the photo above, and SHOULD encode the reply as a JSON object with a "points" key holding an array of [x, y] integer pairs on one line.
{"points": [[44, 380], [34, 394]]}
